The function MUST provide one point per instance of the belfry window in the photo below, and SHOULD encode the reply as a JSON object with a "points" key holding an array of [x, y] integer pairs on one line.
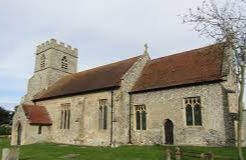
{"points": [[103, 114], [141, 119], [64, 63], [193, 111], [65, 116], [42, 61]]}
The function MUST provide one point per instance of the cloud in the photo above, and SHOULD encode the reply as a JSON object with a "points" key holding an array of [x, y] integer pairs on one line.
{"points": [[103, 31], [8, 106]]}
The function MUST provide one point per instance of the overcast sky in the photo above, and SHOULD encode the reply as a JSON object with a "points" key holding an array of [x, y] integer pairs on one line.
{"points": [[103, 31]]}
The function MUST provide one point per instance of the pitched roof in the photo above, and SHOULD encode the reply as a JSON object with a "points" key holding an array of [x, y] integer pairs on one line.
{"points": [[37, 115], [199, 65], [103, 77]]}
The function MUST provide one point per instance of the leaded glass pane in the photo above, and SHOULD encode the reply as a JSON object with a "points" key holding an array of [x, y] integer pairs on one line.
{"points": [[105, 118], [138, 120], [68, 119], [144, 124], [189, 118], [198, 115]]}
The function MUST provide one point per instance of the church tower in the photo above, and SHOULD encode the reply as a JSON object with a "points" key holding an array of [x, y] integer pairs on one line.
{"points": [[53, 61]]}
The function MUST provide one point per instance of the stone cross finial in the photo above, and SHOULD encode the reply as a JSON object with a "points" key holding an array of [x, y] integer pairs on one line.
{"points": [[146, 48]]}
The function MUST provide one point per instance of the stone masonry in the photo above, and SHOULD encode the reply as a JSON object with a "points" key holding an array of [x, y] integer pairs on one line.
{"points": [[51, 52], [218, 107]]}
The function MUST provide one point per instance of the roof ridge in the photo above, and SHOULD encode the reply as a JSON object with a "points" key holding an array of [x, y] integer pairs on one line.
{"points": [[186, 52], [105, 65]]}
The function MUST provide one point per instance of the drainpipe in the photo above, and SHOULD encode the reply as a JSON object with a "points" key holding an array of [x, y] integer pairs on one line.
{"points": [[130, 120], [112, 117]]}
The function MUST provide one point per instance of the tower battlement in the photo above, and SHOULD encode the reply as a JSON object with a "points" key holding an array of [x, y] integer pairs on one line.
{"points": [[54, 44], [53, 60]]}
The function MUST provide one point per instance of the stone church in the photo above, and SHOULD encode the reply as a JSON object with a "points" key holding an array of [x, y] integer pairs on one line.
{"points": [[189, 98]]}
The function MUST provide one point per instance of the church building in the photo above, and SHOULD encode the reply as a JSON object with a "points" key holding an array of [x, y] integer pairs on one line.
{"points": [[189, 98]]}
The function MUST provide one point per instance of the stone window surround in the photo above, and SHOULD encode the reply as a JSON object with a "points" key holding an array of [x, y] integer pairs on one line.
{"points": [[40, 129], [141, 108], [64, 63], [65, 116], [42, 61], [201, 109], [103, 114]]}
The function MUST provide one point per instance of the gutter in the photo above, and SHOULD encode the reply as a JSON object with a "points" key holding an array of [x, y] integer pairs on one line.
{"points": [[176, 86], [112, 118], [75, 94], [130, 120]]}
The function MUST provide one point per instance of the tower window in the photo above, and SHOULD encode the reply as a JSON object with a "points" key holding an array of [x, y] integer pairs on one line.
{"points": [[141, 119], [193, 111], [42, 61], [64, 63]]}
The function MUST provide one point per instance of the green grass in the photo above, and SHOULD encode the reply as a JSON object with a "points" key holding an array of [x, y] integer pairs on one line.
{"points": [[57, 152]]}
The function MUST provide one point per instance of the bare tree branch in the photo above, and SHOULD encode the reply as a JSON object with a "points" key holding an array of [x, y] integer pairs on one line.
{"points": [[225, 22]]}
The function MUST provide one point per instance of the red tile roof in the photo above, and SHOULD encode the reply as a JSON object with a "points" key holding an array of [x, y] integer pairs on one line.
{"points": [[199, 65], [103, 77], [37, 115]]}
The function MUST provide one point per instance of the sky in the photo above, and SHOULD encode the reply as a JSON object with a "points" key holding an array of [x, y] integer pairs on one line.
{"points": [[103, 31]]}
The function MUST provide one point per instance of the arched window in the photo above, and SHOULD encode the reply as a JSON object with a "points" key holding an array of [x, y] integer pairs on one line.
{"points": [[103, 114], [198, 115], [105, 117], [64, 62], [141, 119], [19, 133], [189, 117], [65, 116], [138, 120], [42, 61], [100, 118], [39, 129], [193, 111]]}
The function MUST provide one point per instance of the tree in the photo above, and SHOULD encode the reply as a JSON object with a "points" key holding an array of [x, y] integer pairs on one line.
{"points": [[5, 116], [225, 22]]}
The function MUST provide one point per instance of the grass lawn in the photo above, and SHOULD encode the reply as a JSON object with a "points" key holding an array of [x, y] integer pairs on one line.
{"points": [[70, 152]]}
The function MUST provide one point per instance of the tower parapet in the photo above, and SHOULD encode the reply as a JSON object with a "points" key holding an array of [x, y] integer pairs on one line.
{"points": [[54, 44], [53, 61]]}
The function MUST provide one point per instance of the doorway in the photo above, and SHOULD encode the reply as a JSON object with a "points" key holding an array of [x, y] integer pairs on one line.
{"points": [[19, 133], [168, 128]]}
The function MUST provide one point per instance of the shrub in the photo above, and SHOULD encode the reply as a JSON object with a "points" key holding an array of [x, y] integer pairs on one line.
{"points": [[5, 129]]}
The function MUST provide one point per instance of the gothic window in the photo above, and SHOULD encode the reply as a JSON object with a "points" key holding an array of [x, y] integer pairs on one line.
{"points": [[42, 61], [193, 111], [189, 117], [141, 119], [198, 114], [103, 114], [64, 63], [40, 129], [65, 116]]}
